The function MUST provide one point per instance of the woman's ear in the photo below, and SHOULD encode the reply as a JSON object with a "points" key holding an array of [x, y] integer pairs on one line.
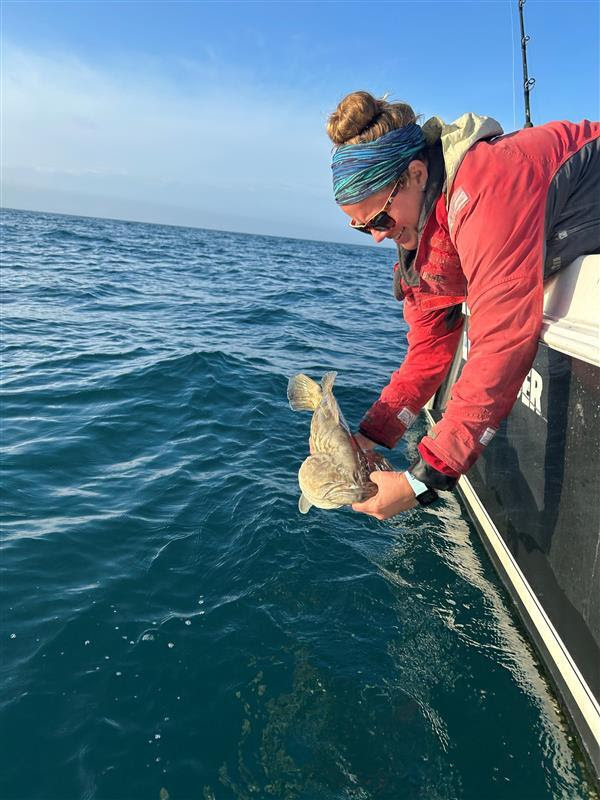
{"points": [[418, 172]]}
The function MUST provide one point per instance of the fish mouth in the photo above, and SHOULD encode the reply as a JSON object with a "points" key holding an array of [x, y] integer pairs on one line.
{"points": [[326, 495], [332, 495], [341, 494]]}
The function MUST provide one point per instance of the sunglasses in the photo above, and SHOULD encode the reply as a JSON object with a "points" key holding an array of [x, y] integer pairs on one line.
{"points": [[381, 221]]}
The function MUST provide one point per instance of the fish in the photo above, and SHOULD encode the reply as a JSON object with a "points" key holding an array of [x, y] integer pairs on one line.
{"points": [[337, 472]]}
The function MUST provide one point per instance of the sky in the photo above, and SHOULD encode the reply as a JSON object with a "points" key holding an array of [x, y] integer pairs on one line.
{"points": [[212, 114]]}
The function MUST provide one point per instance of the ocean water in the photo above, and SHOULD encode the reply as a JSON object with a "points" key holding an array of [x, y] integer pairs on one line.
{"points": [[172, 627]]}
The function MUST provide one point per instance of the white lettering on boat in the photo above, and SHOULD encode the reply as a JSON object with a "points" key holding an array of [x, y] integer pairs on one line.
{"points": [[530, 393]]}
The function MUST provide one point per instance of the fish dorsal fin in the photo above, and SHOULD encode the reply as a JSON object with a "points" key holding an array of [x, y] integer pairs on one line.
{"points": [[327, 382], [304, 505], [303, 393]]}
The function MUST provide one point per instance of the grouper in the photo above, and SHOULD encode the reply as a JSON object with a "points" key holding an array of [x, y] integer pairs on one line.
{"points": [[337, 471]]}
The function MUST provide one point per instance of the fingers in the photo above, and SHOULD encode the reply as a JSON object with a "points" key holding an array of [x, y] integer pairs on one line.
{"points": [[369, 506], [366, 508]]}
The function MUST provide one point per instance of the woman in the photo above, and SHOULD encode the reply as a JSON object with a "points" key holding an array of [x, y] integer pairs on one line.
{"points": [[477, 216]]}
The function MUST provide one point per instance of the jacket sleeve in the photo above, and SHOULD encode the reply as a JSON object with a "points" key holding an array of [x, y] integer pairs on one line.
{"points": [[432, 340], [500, 243]]}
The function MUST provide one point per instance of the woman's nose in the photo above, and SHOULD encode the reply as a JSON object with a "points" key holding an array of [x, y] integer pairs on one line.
{"points": [[379, 236]]}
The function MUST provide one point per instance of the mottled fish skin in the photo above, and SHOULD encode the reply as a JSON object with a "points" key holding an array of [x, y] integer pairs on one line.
{"points": [[337, 472]]}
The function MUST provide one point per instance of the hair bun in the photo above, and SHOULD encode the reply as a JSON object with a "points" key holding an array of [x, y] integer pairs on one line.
{"points": [[360, 117], [353, 116]]}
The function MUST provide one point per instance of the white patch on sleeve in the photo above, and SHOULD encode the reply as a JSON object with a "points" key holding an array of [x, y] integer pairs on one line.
{"points": [[459, 200], [406, 417], [487, 436]]}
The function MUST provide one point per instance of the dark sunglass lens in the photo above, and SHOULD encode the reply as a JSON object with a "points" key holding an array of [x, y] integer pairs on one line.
{"points": [[382, 222]]}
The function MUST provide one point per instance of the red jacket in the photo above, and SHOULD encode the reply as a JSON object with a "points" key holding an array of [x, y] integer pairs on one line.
{"points": [[484, 241]]}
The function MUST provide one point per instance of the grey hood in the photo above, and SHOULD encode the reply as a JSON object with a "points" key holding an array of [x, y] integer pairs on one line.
{"points": [[457, 138]]}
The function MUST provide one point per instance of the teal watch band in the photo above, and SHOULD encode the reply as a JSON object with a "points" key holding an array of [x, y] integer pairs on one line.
{"points": [[416, 485], [425, 496]]}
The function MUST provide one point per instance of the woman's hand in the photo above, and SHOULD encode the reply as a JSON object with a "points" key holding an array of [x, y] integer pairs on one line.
{"points": [[393, 496]]}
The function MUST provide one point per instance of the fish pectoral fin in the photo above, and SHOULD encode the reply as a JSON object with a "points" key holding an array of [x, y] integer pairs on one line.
{"points": [[304, 505]]}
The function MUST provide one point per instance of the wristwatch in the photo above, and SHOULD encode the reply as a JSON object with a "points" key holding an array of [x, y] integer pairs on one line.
{"points": [[423, 493]]}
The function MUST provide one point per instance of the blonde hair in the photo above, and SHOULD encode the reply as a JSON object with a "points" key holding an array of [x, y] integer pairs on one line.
{"points": [[360, 117]]}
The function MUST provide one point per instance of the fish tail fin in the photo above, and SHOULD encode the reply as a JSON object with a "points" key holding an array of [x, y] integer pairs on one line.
{"points": [[303, 393]]}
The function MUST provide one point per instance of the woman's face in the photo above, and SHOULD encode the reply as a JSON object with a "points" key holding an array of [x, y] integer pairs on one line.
{"points": [[404, 209]]}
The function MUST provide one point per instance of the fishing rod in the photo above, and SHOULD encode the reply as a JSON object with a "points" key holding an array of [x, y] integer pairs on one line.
{"points": [[528, 83]]}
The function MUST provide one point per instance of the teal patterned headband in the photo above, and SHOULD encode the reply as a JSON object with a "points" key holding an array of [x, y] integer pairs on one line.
{"points": [[360, 170]]}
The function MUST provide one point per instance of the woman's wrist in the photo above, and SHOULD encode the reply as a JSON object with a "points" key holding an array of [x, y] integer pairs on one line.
{"points": [[424, 494]]}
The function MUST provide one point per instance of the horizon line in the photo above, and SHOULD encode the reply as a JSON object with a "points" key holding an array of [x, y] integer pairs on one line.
{"points": [[191, 227]]}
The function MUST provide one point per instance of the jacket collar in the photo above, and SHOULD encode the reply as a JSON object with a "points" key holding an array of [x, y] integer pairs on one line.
{"points": [[457, 138], [436, 181]]}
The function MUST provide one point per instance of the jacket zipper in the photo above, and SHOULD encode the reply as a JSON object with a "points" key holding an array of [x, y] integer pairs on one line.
{"points": [[570, 231]]}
